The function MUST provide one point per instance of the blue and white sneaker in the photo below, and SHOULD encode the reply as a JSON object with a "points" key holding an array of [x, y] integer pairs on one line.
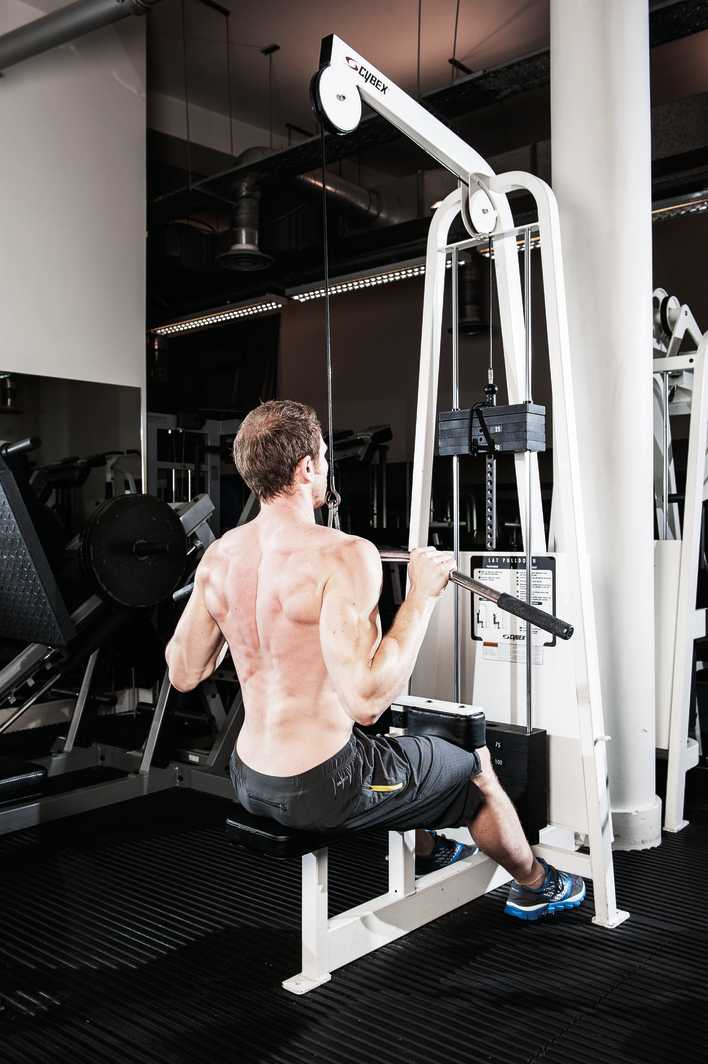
{"points": [[559, 891], [444, 852]]}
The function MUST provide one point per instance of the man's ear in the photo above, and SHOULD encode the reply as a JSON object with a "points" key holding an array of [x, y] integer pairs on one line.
{"points": [[305, 470]]}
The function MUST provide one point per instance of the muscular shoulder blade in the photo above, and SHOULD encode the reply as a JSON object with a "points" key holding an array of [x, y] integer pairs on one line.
{"points": [[301, 595]]}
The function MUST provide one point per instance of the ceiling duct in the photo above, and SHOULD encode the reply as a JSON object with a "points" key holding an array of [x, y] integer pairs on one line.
{"points": [[64, 25], [244, 254], [367, 203]]}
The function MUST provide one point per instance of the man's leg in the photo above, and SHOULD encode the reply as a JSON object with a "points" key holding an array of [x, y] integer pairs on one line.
{"points": [[498, 832]]}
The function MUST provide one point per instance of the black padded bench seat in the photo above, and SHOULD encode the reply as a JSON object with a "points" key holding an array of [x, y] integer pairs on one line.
{"points": [[20, 779], [268, 836]]}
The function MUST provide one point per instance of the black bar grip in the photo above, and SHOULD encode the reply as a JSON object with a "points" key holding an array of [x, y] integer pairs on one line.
{"points": [[183, 592], [539, 618]]}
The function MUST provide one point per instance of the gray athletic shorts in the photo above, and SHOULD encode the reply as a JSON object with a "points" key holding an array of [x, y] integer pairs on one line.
{"points": [[374, 781]]}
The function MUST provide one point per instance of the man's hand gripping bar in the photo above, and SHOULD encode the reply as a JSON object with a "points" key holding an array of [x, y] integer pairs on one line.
{"points": [[507, 603]]}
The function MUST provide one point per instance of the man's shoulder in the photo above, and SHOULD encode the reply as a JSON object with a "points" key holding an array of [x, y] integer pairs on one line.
{"points": [[354, 558], [222, 549], [232, 539]]}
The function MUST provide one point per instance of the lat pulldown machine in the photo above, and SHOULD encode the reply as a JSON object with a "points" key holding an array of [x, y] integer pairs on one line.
{"points": [[344, 80]]}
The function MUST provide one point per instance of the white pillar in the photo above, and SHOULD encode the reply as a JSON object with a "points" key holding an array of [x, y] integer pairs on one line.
{"points": [[601, 155]]}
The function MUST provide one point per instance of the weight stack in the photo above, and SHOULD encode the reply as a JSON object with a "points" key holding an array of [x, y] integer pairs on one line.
{"points": [[512, 429], [520, 760]]}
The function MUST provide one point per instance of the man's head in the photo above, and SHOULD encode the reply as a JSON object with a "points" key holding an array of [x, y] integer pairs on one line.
{"points": [[279, 450]]}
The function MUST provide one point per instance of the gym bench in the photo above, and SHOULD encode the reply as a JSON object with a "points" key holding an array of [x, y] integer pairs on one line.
{"points": [[328, 942]]}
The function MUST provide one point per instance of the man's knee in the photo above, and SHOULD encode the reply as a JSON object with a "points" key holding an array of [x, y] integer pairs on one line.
{"points": [[487, 780]]}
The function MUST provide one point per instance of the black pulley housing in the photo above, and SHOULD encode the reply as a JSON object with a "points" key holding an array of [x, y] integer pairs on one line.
{"points": [[133, 550]]}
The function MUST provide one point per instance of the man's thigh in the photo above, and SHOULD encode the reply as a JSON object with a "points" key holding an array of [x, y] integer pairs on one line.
{"points": [[414, 782]]}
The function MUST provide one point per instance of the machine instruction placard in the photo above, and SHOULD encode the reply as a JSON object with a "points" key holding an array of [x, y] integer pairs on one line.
{"points": [[502, 635]]}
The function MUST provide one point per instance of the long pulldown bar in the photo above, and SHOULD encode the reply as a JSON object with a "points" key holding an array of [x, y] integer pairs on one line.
{"points": [[506, 603]]}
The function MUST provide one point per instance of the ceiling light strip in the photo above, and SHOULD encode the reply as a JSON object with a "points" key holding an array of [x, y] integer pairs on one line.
{"points": [[218, 317], [373, 281], [677, 210], [357, 282]]}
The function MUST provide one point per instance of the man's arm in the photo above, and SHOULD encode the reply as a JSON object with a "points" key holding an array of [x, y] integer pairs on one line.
{"points": [[368, 674], [193, 652]]}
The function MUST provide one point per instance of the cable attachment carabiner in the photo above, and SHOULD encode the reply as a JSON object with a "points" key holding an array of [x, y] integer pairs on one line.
{"points": [[332, 499]]}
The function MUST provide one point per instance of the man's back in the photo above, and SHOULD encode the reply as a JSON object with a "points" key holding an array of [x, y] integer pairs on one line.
{"points": [[264, 586]]}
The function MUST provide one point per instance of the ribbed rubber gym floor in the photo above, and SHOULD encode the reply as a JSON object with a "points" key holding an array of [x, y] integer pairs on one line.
{"points": [[139, 934]]}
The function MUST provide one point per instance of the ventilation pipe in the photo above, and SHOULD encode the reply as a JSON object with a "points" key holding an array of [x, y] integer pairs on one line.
{"points": [[244, 254], [64, 25], [365, 202]]}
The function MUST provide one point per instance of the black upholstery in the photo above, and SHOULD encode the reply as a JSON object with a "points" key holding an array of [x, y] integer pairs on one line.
{"points": [[20, 779], [266, 835], [467, 730], [31, 607]]}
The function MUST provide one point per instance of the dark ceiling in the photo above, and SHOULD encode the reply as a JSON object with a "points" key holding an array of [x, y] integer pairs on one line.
{"points": [[502, 108]]}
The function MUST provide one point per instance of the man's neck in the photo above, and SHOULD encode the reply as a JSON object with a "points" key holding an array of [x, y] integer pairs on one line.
{"points": [[296, 507]]}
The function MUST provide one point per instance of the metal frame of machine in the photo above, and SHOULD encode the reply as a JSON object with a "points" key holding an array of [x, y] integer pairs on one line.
{"points": [[345, 80], [680, 387]]}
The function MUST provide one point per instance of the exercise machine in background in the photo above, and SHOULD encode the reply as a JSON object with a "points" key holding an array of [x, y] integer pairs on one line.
{"points": [[680, 390], [190, 457], [362, 474], [124, 564]]}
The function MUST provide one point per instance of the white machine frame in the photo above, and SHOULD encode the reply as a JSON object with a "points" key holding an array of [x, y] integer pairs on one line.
{"points": [[345, 80], [678, 622]]}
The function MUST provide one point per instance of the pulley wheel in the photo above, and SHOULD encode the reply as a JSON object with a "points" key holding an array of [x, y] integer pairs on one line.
{"points": [[134, 550], [335, 98]]}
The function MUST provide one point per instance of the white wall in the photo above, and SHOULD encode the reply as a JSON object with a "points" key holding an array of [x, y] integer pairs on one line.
{"points": [[72, 206]]}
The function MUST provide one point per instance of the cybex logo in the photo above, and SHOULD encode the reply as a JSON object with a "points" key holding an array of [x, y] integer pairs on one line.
{"points": [[369, 78]]}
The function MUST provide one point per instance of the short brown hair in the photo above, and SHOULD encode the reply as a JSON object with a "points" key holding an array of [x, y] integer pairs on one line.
{"points": [[272, 439]]}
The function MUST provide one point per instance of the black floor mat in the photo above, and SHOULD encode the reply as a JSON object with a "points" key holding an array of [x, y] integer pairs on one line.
{"points": [[138, 933]]}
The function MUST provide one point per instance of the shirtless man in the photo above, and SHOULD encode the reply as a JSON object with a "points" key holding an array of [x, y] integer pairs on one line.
{"points": [[297, 604]]}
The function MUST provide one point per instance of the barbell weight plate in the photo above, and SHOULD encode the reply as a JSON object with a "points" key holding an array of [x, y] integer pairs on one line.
{"points": [[134, 550]]}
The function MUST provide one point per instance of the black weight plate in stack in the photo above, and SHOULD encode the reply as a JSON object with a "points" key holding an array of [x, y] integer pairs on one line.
{"points": [[134, 550]]}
